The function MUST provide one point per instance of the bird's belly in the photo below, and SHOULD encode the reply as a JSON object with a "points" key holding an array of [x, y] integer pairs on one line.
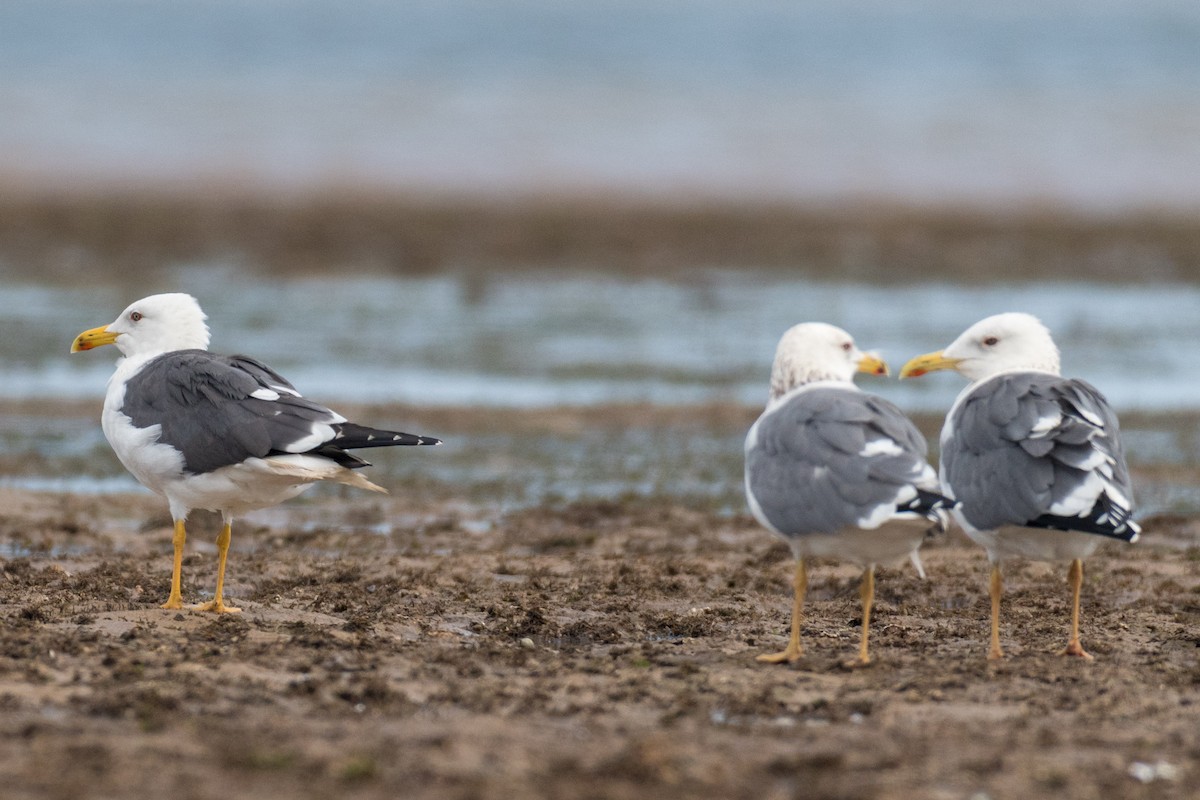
{"points": [[1037, 544], [234, 490], [887, 544]]}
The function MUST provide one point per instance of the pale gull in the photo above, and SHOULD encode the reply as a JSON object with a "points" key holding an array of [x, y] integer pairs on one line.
{"points": [[835, 471], [1033, 459]]}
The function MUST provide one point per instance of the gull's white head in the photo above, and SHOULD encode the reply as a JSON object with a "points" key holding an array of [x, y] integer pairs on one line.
{"points": [[1002, 343], [160, 323], [815, 351]]}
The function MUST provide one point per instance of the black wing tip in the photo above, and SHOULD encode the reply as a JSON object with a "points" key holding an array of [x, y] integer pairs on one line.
{"points": [[929, 503], [1126, 531], [1106, 518], [351, 436]]}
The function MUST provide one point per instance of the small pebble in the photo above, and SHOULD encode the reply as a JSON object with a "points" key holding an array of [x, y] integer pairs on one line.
{"points": [[526, 642], [1142, 772]]}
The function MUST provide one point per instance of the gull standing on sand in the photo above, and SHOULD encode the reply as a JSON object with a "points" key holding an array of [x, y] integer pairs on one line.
{"points": [[223, 433], [1034, 459], [835, 471]]}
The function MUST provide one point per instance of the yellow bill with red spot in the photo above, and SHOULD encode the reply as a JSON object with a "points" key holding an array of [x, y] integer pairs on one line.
{"points": [[96, 337], [873, 365], [930, 362]]}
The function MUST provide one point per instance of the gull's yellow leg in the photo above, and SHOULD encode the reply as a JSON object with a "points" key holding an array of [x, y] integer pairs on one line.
{"points": [[996, 588], [175, 599], [793, 652], [1075, 576], [867, 592], [217, 604]]}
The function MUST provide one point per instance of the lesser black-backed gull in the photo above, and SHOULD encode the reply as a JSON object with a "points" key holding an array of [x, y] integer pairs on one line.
{"points": [[216, 432], [1034, 459], [835, 471]]}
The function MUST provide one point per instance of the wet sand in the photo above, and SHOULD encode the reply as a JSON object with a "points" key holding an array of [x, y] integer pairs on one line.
{"points": [[483, 646], [595, 649]]}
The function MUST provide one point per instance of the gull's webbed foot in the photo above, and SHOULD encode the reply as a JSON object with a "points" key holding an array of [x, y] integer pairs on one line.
{"points": [[217, 606], [788, 655], [1074, 648]]}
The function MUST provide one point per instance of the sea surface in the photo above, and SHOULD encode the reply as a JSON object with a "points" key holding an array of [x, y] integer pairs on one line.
{"points": [[1088, 104], [532, 340]]}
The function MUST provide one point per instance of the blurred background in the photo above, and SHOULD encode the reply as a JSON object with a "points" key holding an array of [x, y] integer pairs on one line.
{"points": [[515, 206]]}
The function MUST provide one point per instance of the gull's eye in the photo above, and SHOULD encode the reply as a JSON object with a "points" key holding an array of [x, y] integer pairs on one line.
{"points": [[136, 316], [991, 341], [847, 346]]}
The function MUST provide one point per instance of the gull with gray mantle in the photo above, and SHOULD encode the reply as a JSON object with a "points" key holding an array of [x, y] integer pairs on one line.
{"points": [[835, 471], [222, 433], [1033, 459]]}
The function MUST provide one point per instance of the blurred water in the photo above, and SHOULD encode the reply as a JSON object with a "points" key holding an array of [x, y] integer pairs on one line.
{"points": [[541, 339], [1090, 103]]}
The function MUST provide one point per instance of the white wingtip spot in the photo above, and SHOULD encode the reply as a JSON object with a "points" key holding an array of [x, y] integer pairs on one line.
{"points": [[1091, 417], [1044, 425], [881, 447]]}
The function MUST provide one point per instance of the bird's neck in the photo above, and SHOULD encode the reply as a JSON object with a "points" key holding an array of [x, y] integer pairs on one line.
{"points": [[1050, 368], [775, 400]]}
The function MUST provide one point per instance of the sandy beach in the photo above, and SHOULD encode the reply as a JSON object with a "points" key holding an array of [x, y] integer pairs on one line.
{"points": [[596, 648], [567, 601]]}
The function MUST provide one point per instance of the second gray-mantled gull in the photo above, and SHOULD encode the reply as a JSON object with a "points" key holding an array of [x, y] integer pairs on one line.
{"points": [[1033, 459]]}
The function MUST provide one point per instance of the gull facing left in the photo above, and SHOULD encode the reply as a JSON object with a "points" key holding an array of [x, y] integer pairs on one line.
{"points": [[216, 432], [1034, 459], [835, 471]]}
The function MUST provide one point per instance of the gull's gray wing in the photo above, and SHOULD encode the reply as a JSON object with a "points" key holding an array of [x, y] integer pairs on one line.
{"points": [[220, 410], [1039, 450], [827, 458]]}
